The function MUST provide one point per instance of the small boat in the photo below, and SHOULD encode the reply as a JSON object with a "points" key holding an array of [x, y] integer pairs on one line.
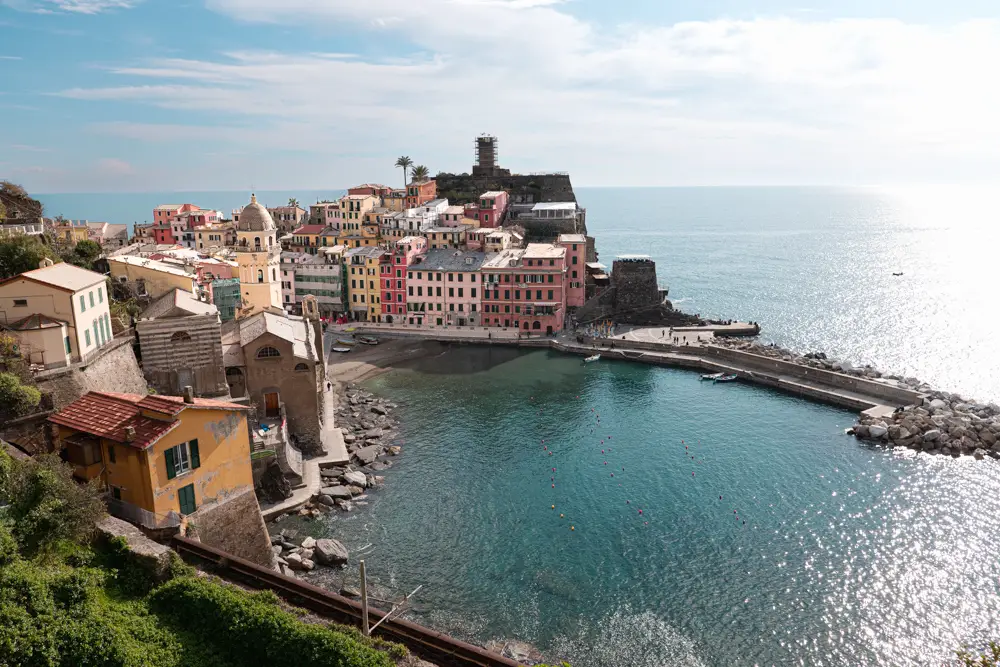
{"points": [[898, 274], [368, 340], [591, 359], [726, 378], [341, 349], [345, 341], [712, 376]]}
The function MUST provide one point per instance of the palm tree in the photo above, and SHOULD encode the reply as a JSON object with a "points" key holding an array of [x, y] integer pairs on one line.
{"points": [[293, 202], [405, 162], [420, 173]]}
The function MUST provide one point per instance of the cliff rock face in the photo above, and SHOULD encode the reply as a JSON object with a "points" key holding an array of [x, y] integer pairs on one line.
{"points": [[463, 188]]}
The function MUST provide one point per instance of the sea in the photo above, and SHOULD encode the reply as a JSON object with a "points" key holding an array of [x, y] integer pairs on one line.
{"points": [[617, 514]]}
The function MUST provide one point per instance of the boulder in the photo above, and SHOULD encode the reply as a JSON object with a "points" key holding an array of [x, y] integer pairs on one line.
{"points": [[306, 554], [287, 570], [379, 410], [336, 492], [276, 549], [987, 437], [325, 500], [368, 454], [294, 561], [979, 454], [308, 565], [308, 543], [349, 438], [877, 431], [355, 490], [344, 505], [938, 404], [933, 434], [861, 431], [355, 477], [330, 552], [395, 450], [349, 592], [373, 433]]}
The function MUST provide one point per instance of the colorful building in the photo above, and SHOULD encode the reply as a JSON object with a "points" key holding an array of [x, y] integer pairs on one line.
{"points": [[150, 277], [419, 193], [352, 212], [576, 258], [161, 457], [226, 297], [364, 290], [439, 238], [443, 289], [393, 269], [376, 190], [490, 210], [58, 313], [307, 238], [319, 275], [325, 213], [525, 289], [287, 218]]}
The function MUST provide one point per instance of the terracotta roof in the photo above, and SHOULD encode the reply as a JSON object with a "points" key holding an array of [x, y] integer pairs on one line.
{"points": [[37, 321], [309, 229], [106, 414]]}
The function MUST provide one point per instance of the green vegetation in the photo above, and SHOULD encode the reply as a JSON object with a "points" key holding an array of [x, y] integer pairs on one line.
{"points": [[82, 254], [420, 173], [18, 396], [22, 253], [405, 162], [989, 658], [63, 603]]}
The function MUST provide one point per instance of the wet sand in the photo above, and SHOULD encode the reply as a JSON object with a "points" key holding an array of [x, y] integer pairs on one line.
{"points": [[367, 361]]}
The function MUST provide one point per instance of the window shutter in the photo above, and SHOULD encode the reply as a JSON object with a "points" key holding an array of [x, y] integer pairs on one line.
{"points": [[195, 457], [171, 470]]}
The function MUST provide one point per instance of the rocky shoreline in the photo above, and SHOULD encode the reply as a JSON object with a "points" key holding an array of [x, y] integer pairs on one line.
{"points": [[942, 424]]}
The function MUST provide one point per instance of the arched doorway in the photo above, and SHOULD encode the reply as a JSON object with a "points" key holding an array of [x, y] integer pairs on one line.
{"points": [[236, 381], [548, 331]]}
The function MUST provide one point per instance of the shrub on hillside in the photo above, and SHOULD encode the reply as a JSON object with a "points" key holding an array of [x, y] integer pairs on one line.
{"points": [[16, 398], [256, 629], [45, 505]]}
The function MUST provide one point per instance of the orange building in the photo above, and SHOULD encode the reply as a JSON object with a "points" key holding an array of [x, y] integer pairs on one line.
{"points": [[419, 193], [161, 457]]}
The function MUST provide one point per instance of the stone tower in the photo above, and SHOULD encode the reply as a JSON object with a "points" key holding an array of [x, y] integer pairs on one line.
{"points": [[259, 257]]}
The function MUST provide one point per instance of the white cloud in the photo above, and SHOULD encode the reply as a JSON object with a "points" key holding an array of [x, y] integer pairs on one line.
{"points": [[71, 6], [772, 100]]}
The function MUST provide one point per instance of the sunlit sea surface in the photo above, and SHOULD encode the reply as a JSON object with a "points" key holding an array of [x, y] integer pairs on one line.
{"points": [[850, 554]]}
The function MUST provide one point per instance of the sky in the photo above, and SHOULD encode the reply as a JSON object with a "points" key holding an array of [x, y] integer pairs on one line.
{"points": [[155, 95]]}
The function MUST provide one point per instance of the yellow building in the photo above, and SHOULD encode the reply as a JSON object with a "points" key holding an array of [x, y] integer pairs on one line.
{"points": [[308, 238], [160, 457], [58, 313], [149, 277], [71, 231], [364, 300], [259, 257], [352, 212]]}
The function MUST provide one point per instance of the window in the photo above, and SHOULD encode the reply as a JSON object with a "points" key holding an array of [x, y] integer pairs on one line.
{"points": [[91, 295], [451, 291], [473, 292], [506, 294], [83, 304], [116, 492], [538, 294], [451, 307], [267, 352], [86, 335], [69, 348], [185, 498], [574, 257], [574, 273], [100, 295], [550, 295], [550, 278], [451, 277], [260, 276], [180, 336], [439, 291], [473, 307], [182, 459], [20, 303], [301, 367]]}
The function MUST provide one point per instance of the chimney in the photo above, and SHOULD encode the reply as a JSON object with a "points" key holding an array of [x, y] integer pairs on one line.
{"points": [[188, 394], [129, 433]]}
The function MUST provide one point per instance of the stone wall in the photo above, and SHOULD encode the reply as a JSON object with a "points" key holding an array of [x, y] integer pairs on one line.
{"points": [[116, 370], [234, 524], [635, 283], [464, 189], [170, 365]]}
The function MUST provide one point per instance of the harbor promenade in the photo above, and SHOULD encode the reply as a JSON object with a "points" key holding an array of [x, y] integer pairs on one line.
{"points": [[689, 347]]}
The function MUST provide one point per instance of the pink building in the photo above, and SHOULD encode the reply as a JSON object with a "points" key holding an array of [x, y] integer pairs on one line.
{"points": [[525, 289], [175, 223], [393, 269], [443, 289], [490, 209], [576, 254]]}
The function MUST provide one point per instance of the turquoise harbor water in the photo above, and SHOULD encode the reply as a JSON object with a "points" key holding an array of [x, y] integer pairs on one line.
{"points": [[850, 554]]}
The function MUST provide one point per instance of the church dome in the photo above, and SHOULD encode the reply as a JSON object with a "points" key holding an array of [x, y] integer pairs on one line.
{"points": [[255, 218]]}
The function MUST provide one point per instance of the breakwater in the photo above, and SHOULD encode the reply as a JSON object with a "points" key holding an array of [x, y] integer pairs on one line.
{"points": [[895, 410]]}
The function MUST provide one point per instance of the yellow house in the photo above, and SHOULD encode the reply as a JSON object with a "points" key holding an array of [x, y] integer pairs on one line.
{"points": [[59, 314], [160, 457], [363, 294], [151, 277], [352, 211], [71, 231]]}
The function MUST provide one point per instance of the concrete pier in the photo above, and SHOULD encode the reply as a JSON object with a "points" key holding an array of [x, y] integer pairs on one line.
{"points": [[694, 351]]}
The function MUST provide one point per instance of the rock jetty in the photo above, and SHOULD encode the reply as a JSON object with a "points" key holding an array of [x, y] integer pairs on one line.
{"points": [[293, 555], [942, 424]]}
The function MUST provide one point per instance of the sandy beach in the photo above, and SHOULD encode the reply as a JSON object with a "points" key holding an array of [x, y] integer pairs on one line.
{"points": [[366, 361]]}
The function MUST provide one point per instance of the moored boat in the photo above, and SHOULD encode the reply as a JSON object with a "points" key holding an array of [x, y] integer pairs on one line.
{"points": [[341, 349], [368, 340], [726, 378], [712, 376], [345, 340], [592, 359]]}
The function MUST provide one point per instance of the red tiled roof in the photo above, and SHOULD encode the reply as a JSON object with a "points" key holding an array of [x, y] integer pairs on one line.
{"points": [[309, 229], [106, 414]]}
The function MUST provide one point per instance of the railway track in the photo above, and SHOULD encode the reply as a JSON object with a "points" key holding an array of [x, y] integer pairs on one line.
{"points": [[427, 644]]}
